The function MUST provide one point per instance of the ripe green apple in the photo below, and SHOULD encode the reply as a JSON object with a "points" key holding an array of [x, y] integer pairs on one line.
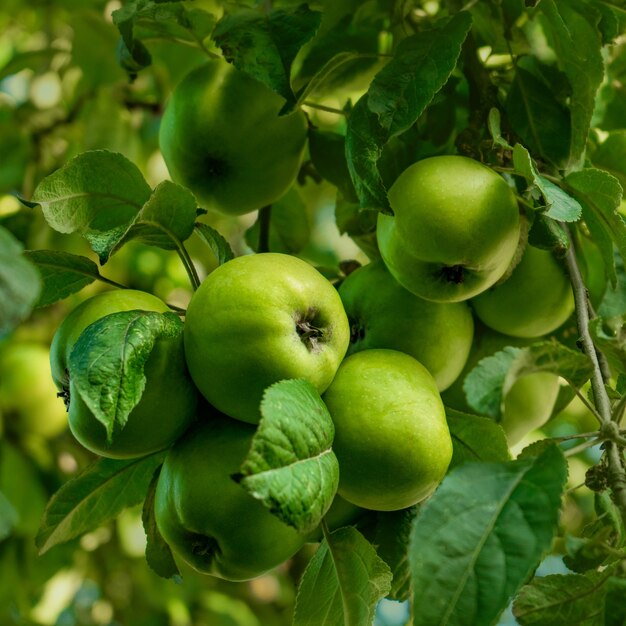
{"points": [[210, 521], [167, 406], [28, 396], [527, 405], [535, 300], [259, 319], [391, 437], [222, 137], [454, 231], [382, 314]]}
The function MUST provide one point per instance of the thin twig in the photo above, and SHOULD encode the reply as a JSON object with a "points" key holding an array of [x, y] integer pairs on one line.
{"points": [[323, 107]]}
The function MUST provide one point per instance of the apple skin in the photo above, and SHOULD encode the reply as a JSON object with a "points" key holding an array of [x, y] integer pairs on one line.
{"points": [[383, 314], [222, 137], [248, 325], [536, 299], [528, 404], [28, 396], [454, 231], [168, 404], [391, 437], [209, 520]]}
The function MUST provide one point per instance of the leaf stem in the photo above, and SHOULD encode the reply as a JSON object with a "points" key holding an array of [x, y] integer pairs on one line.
{"points": [[323, 107], [188, 264], [592, 409]]}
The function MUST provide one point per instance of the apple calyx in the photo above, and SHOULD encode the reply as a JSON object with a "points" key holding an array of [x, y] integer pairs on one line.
{"points": [[310, 335], [357, 331], [204, 546], [453, 274], [216, 167]]}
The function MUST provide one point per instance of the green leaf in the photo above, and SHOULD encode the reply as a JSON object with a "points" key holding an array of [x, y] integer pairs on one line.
{"points": [[158, 553], [421, 66], [574, 36], [489, 382], [22, 485], [164, 221], [480, 536], [495, 129], [563, 600], [600, 195], [611, 156], [290, 228], [474, 438], [8, 517], [396, 98], [291, 467], [391, 538], [342, 583], [20, 284], [165, 20], [328, 153], [541, 122], [107, 361], [94, 497], [219, 246], [610, 338], [614, 300], [62, 273], [560, 206], [95, 192], [265, 46]]}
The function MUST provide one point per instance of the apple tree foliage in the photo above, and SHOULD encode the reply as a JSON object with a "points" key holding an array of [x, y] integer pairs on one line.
{"points": [[533, 89]]}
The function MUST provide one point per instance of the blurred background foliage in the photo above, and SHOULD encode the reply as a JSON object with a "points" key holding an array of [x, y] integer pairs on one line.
{"points": [[62, 92]]}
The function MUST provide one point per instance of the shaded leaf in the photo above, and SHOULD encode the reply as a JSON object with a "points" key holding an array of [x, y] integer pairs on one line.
{"points": [[20, 283], [62, 273], [265, 46], [158, 553], [480, 536], [475, 438], [219, 246], [94, 497], [342, 583], [563, 600]]}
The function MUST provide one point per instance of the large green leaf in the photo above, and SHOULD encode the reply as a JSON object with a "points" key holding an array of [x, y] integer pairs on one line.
{"points": [[481, 535], [291, 467]]}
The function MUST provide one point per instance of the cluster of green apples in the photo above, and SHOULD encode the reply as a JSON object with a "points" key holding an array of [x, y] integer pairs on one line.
{"points": [[382, 348]]}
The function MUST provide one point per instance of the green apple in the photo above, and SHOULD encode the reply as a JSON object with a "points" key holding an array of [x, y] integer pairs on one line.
{"points": [[259, 319], [168, 404], [454, 231], [28, 396], [383, 314], [527, 405], [391, 437], [222, 137], [210, 521], [535, 300]]}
